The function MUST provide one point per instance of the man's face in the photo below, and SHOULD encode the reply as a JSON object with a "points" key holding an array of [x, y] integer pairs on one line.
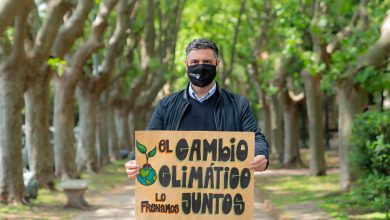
{"points": [[201, 56]]}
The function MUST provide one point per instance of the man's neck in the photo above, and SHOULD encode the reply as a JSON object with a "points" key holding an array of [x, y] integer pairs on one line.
{"points": [[202, 91]]}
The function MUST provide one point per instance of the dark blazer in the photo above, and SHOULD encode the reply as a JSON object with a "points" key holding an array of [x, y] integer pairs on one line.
{"points": [[231, 113]]}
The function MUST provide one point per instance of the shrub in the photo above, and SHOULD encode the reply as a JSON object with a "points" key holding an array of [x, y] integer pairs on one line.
{"points": [[370, 159], [370, 143]]}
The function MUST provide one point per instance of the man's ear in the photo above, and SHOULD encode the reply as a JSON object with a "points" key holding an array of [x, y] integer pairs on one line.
{"points": [[218, 61]]}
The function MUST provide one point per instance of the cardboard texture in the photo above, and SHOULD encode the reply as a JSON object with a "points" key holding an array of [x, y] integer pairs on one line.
{"points": [[194, 175]]}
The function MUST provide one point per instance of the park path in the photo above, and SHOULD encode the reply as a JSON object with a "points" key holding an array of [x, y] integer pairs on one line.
{"points": [[119, 205]]}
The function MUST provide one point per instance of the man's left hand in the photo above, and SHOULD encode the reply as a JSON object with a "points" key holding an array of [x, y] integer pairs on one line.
{"points": [[259, 163]]}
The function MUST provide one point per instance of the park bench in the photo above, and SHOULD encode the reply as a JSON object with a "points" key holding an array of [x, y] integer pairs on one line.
{"points": [[74, 191]]}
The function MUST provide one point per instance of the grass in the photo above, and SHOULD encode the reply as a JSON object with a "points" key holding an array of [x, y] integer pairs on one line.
{"points": [[49, 204], [288, 190]]}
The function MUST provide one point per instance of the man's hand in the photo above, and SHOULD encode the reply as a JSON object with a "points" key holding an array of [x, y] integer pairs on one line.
{"points": [[259, 163], [132, 169]]}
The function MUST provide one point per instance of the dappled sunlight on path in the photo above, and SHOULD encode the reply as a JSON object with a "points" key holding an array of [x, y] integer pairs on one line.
{"points": [[117, 204], [301, 210]]}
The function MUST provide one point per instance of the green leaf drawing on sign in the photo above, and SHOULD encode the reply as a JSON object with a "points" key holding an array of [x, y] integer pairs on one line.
{"points": [[152, 152], [141, 148]]}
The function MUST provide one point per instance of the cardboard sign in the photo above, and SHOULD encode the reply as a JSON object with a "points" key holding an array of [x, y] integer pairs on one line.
{"points": [[194, 175]]}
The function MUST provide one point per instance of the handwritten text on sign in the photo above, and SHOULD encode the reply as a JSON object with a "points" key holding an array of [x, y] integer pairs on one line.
{"points": [[194, 174]]}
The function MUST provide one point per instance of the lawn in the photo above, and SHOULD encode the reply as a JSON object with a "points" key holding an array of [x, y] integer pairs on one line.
{"points": [[49, 204], [287, 190]]}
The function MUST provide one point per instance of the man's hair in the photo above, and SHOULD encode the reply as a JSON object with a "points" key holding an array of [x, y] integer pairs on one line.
{"points": [[202, 43]]}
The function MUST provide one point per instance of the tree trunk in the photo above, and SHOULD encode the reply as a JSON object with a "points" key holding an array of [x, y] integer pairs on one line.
{"points": [[276, 128], [11, 171], [291, 131], [122, 128], [102, 133], [349, 105], [316, 125], [112, 135], [132, 129], [37, 130], [86, 143], [64, 150], [265, 115], [141, 117]]}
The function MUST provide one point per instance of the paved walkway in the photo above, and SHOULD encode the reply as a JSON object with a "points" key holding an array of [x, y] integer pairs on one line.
{"points": [[119, 205]]}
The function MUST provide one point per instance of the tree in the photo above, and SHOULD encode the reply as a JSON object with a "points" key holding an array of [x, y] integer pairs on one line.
{"points": [[11, 102], [90, 88], [289, 103], [229, 70], [157, 49], [350, 96], [65, 84], [37, 94], [13, 82]]}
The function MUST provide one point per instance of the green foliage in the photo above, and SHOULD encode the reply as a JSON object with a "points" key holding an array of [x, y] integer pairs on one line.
{"points": [[373, 191], [370, 143], [57, 64], [10, 32], [311, 64], [298, 190], [373, 80], [355, 44], [370, 158]]}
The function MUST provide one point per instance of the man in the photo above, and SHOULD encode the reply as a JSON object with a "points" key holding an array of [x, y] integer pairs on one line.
{"points": [[205, 106]]}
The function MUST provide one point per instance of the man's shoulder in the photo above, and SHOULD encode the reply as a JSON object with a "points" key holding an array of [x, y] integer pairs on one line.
{"points": [[172, 97]]}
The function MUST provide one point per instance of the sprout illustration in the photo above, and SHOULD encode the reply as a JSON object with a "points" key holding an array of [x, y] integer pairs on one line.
{"points": [[147, 175]]}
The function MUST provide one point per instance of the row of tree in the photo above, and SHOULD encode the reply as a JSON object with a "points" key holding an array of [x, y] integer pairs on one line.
{"points": [[320, 45], [104, 63], [85, 48], [301, 57]]}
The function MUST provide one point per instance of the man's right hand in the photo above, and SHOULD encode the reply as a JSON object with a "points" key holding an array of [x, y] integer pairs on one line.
{"points": [[132, 169]]}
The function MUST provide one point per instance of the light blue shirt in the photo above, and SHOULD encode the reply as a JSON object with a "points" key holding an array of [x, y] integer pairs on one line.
{"points": [[207, 96]]}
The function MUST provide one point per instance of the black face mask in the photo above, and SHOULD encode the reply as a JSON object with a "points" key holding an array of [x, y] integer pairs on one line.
{"points": [[201, 74]]}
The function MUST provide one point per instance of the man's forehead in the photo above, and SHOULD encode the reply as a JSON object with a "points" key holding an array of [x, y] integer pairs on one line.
{"points": [[201, 54]]}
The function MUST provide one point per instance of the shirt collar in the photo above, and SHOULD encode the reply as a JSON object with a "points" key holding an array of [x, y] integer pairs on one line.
{"points": [[207, 96]]}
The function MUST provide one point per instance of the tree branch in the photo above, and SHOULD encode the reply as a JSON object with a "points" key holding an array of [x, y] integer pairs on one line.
{"points": [[117, 40], [360, 13], [235, 37], [9, 9], [95, 41], [18, 50], [150, 35], [72, 29], [378, 54], [47, 33]]}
